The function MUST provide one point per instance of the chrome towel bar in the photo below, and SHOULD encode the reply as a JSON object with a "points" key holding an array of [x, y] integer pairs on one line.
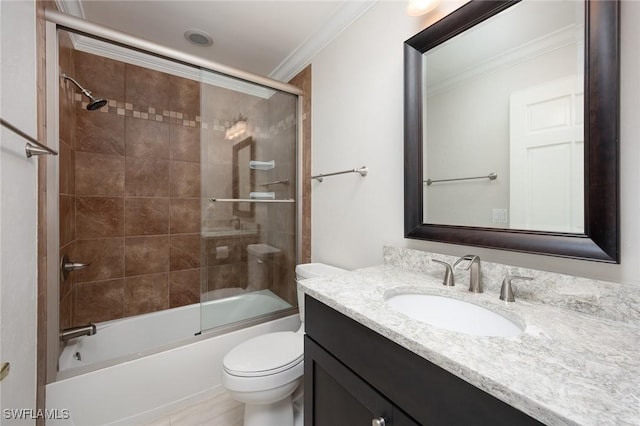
{"points": [[30, 150], [249, 200], [362, 170], [490, 176], [275, 182]]}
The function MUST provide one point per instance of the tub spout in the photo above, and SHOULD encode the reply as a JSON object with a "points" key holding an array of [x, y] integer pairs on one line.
{"points": [[73, 332]]}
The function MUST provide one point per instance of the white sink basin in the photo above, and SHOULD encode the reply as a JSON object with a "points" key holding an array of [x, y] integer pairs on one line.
{"points": [[453, 314]]}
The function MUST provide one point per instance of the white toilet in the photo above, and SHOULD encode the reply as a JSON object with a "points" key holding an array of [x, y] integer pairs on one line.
{"points": [[263, 372]]}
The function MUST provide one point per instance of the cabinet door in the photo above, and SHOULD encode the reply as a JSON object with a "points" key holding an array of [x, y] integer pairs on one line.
{"points": [[334, 395]]}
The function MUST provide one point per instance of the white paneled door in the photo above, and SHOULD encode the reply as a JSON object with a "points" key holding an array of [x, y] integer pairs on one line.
{"points": [[546, 157]]}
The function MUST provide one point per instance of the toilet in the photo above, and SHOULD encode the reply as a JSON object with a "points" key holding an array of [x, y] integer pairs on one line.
{"points": [[265, 371]]}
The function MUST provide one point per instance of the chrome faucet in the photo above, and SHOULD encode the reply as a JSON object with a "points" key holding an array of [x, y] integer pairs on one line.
{"points": [[235, 222], [73, 332], [475, 276]]}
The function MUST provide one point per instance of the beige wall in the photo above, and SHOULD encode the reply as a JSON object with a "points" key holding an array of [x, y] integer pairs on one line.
{"points": [[358, 120], [18, 206]]}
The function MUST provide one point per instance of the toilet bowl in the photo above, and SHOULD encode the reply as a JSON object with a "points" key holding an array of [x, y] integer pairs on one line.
{"points": [[265, 371]]}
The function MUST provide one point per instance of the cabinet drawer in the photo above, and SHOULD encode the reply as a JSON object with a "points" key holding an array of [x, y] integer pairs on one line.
{"points": [[334, 395]]}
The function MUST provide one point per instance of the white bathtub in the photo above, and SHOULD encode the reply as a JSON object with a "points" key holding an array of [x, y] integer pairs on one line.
{"points": [[130, 337], [142, 388]]}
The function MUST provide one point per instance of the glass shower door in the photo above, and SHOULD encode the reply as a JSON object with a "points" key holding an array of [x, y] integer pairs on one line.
{"points": [[248, 150]]}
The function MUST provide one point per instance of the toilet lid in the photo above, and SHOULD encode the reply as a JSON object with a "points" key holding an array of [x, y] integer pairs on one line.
{"points": [[264, 355]]}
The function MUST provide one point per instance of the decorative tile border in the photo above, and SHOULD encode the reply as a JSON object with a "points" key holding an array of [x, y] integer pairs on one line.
{"points": [[144, 112]]}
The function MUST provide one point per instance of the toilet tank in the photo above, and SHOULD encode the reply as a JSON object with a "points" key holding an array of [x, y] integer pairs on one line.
{"points": [[312, 270], [262, 260]]}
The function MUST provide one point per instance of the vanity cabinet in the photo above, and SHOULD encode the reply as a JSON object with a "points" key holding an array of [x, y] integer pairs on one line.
{"points": [[340, 397], [354, 375]]}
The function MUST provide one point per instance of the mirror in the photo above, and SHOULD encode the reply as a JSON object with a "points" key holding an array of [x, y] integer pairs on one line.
{"points": [[504, 104], [243, 178], [473, 95]]}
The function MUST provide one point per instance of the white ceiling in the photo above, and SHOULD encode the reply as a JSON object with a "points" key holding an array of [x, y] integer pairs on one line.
{"points": [[272, 38]]}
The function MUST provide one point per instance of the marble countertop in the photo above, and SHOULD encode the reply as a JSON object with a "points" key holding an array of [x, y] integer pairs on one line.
{"points": [[566, 368]]}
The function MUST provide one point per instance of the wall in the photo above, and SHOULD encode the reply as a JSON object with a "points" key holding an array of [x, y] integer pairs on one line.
{"points": [[358, 120], [130, 190], [303, 81], [67, 167], [18, 207]]}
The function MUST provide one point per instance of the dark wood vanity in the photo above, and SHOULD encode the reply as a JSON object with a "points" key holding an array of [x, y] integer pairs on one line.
{"points": [[354, 376]]}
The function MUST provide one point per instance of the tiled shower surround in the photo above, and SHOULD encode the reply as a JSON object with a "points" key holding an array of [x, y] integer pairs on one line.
{"points": [[130, 193]]}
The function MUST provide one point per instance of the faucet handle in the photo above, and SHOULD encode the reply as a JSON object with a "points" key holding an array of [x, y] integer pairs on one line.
{"points": [[470, 257], [506, 292], [448, 273]]}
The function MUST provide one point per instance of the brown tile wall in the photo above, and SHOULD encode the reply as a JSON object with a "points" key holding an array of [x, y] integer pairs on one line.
{"points": [[278, 220], [230, 271], [272, 128], [129, 191], [303, 81], [67, 182]]}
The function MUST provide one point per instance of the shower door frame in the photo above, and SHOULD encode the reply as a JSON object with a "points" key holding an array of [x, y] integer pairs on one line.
{"points": [[56, 20]]}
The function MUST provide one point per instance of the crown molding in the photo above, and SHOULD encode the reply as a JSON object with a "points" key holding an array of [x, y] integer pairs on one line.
{"points": [[134, 57], [558, 39], [346, 15]]}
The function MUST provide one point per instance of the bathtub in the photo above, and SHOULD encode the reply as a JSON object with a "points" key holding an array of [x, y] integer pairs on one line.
{"points": [[140, 368], [117, 340]]}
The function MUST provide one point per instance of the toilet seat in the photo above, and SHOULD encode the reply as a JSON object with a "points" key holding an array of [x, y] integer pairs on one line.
{"points": [[265, 355]]}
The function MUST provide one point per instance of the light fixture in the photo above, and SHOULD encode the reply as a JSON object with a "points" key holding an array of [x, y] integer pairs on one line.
{"points": [[198, 37], [421, 7], [238, 128]]}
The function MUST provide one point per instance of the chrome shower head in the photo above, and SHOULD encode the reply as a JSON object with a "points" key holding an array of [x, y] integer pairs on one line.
{"points": [[96, 103]]}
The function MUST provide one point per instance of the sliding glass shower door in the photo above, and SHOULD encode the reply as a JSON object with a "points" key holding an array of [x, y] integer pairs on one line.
{"points": [[248, 142]]}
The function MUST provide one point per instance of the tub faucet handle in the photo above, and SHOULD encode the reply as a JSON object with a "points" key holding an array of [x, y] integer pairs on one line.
{"points": [[448, 279], [506, 291]]}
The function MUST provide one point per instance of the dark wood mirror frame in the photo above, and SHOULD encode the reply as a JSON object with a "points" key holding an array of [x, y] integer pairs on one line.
{"points": [[601, 240], [237, 167]]}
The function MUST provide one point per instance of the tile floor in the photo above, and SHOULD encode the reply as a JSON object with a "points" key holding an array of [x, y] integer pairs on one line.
{"points": [[218, 410]]}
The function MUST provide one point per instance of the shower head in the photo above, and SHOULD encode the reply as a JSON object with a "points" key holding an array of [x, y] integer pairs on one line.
{"points": [[95, 103]]}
